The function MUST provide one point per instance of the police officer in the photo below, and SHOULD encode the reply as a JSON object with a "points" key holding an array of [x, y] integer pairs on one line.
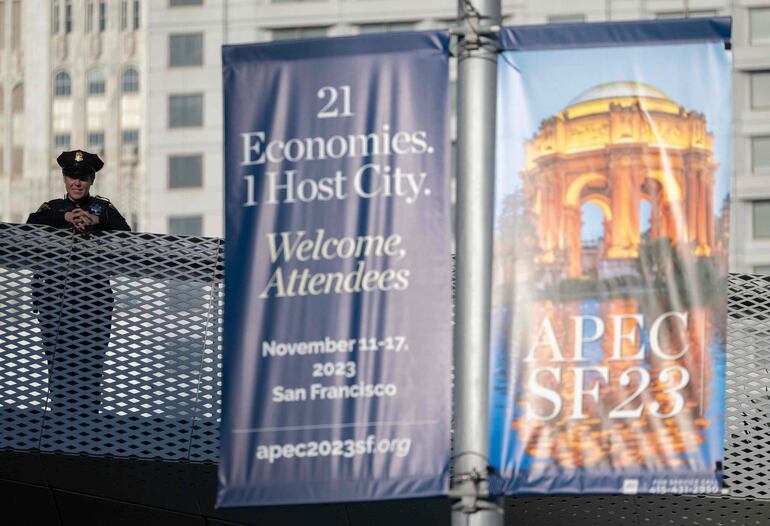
{"points": [[73, 301], [78, 209]]}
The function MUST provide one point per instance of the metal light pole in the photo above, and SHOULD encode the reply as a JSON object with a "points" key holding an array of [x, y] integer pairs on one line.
{"points": [[477, 78]]}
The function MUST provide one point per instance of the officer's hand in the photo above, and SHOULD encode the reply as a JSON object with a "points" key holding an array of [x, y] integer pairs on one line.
{"points": [[78, 217], [69, 217], [93, 219]]}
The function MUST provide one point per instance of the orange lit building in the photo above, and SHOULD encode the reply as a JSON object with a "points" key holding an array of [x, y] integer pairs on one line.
{"points": [[614, 146]]}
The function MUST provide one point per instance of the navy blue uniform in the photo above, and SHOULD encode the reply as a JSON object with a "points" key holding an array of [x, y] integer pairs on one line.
{"points": [[75, 310], [52, 212]]}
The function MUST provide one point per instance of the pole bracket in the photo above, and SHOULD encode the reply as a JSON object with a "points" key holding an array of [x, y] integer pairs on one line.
{"points": [[476, 31], [483, 30], [471, 505], [474, 497], [474, 489]]}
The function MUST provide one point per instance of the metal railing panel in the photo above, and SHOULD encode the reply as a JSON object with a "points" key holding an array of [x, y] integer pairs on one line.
{"points": [[205, 439], [747, 415], [25, 250], [128, 317]]}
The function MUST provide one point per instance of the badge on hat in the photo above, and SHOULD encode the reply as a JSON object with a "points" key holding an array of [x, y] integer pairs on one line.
{"points": [[79, 163]]}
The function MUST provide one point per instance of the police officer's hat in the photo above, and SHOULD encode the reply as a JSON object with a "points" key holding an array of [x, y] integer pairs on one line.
{"points": [[78, 163]]}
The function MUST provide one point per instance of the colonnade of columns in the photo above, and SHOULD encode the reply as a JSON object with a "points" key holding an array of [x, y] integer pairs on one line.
{"points": [[681, 200]]}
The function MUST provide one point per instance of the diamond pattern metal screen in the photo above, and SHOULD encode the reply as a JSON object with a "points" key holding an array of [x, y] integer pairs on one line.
{"points": [[747, 434], [111, 345], [105, 341]]}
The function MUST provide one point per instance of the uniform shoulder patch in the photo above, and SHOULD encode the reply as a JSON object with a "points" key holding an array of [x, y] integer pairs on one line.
{"points": [[45, 206]]}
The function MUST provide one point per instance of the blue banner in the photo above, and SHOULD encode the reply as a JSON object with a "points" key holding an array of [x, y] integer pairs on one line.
{"points": [[337, 336], [612, 220]]}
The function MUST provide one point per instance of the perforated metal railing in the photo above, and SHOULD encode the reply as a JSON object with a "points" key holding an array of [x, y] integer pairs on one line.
{"points": [[132, 327], [124, 328], [747, 429]]}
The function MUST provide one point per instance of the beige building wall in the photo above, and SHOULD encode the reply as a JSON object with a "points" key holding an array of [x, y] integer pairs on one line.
{"points": [[29, 174], [17, 108]]}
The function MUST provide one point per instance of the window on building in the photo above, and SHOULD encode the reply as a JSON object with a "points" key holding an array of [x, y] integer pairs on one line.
{"points": [[62, 84], [692, 13], [760, 154], [566, 19], [89, 16], [130, 137], [291, 33], [130, 79], [385, 28], [185, 50], [761, 216], [123, 15], [760, 25], [760, 90], [96, 82], [68, 16], [102, 15], [179, 3], [137, 15], [762, 269], [62, 141], [129, 14], [185, 110], [185, 225], [17, 99], [185, 171], [96, 141], [16, 24], [55, 17]]}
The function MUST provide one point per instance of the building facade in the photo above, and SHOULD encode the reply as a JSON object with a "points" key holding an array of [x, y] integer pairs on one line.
{"points": [[72, 77], [145, 88]]}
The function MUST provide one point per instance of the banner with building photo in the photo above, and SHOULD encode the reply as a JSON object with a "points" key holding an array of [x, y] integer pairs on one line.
{"points": [[610, 265], [337, 336]]}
